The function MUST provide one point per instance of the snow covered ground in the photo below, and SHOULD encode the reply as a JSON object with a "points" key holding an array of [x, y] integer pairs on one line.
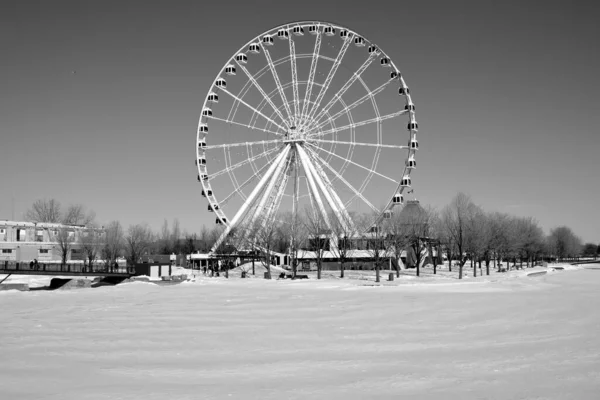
{"points": [[512, 338]]}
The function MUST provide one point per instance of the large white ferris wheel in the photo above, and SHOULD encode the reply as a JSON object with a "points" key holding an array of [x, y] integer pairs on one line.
{"points": [[306, 116]]}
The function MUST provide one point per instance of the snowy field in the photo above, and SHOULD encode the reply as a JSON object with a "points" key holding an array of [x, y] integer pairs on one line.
{"points": [[513, 338]]}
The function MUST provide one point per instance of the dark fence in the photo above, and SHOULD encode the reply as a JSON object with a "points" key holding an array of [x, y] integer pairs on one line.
{"points": [[79, 268]]}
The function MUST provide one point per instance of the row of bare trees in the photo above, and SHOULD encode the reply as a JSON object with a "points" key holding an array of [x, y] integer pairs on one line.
{"points": [[462, 230]]}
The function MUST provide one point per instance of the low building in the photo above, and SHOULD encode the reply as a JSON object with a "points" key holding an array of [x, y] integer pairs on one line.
{"points": [[22, 241]]}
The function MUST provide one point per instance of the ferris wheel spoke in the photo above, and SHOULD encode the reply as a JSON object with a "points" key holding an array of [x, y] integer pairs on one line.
{"points": [[238, 99], [227, 121], [352, 106], [341, 178], [346, 86], [311, 76], [278, 83], [274, 199], [251, 198], [242, 163], [271, 191], [239, 144], [294, 80], [332, 72], [390, 146], [339, 209], [313, 186], [356, 124], [243, 185], [354, 163], [262, 92]]}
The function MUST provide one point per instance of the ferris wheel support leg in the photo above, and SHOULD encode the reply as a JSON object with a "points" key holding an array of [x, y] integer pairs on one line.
{"points": [[348, 226], [312, 185], [323, 187], [251, 198], [268, 192]]}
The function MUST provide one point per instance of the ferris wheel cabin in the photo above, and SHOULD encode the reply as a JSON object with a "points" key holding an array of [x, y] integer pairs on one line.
{"points": [[398, 198], [359, 41], [413, 126], [395, 75], [405, 182], [283, 34], [413, 144], [213, 97], [221, 83], [207, 112], [203, 128], [329, 31], [241, 58], [411, 163], [230, 70], [403, 91], [372, 49], [313, 29], [254, 48], [207, 193], [267, 40], [298, 30], [409, 107]]}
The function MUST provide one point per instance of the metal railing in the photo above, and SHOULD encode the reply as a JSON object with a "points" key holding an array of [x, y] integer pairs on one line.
{"points": [[78, 268]]}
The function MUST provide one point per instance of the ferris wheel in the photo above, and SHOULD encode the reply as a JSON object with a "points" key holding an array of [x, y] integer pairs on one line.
{"points": [[306, 116]]}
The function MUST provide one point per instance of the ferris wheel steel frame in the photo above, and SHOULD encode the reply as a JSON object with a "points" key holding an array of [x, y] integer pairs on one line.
{"points": [[303, 127]]}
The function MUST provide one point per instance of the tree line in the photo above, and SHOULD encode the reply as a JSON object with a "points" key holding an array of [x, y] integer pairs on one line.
{"points": [[462, 230]]}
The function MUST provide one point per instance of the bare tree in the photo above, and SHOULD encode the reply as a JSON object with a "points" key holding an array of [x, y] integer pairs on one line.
{"points": [[264, 238], [91, 244], [476, 235], [114, 243], [293, 227], [319, 236], [164, 239], [342, 233], [189, 244], [76, 214], [455, 217], [65, 238], [590, 250], [564, 243], [176, 237], [396, 239], [137, 242], [417, 221], [375, 239], [44, 210], [205, 241]]}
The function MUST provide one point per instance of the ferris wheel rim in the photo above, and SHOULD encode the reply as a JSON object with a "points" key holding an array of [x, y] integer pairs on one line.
{"points": [[289, 25]]}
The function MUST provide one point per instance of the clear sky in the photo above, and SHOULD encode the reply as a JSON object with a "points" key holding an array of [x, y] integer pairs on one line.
{"points": [[100, 100]]}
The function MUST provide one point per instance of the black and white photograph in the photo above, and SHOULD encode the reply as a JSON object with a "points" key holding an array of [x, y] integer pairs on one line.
{"points": [[261, 199]]}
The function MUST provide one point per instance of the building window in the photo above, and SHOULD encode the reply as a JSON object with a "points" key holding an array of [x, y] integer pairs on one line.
{"points": [[2, 231], [39, 236], [75, 251], [20, 235], [43, 251], [6, 251]]}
